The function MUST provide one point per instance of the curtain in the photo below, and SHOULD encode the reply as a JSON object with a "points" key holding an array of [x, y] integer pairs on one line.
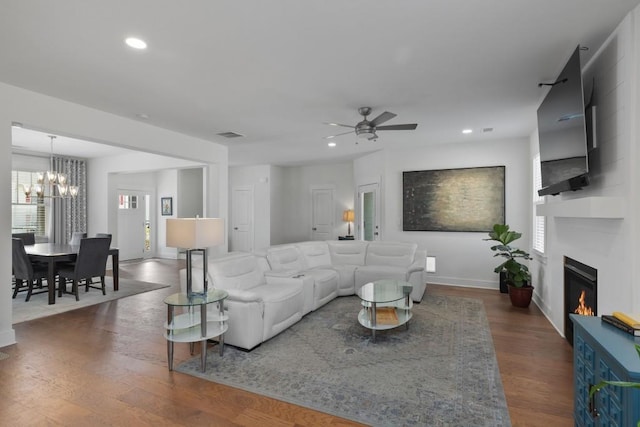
{"points": [[70, 213]]}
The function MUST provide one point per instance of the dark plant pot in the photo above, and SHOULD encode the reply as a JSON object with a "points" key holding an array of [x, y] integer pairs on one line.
{"points": [[503, 283], [520, 297]]}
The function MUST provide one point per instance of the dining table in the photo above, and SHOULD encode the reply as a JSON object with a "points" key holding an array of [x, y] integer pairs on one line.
{"points": [[53, 253]]}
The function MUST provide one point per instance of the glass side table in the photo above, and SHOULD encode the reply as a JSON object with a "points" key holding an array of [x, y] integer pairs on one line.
{"points": [[195, 325]]}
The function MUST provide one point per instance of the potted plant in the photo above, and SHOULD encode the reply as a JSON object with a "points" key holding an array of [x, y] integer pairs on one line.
{"points": [[516, 274]]}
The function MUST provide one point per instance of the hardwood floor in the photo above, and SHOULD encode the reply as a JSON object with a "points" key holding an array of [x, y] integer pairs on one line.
{"points": [[106, 365]]}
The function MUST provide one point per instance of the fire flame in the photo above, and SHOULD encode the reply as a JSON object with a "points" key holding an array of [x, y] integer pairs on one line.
{"points": [[582, 308]]}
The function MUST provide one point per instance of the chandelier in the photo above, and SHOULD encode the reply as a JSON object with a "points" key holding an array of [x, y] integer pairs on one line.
{"points": [[56, 182]]}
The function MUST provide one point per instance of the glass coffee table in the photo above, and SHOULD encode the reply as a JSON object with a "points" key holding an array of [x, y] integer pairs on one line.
{"points": [[386, 304]]}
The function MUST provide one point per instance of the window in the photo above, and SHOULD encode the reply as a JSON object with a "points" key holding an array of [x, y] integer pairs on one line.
{"points": [[28, 213], [538, 221]]}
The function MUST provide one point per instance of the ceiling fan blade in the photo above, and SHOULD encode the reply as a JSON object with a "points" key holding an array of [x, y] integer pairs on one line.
{"points": [[382, 118], [333, 136], [411, 126], [339, 124]]}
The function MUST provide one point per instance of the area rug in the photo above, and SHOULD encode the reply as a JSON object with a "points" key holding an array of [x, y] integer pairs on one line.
{"points": [[38, 306], [442, 371]]}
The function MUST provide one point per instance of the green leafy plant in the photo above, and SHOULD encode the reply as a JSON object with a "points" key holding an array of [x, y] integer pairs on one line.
{"points": [[596, 388], [516, 273]]}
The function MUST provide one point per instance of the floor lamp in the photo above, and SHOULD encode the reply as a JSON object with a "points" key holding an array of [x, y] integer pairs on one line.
{"points": [[195, 234]]}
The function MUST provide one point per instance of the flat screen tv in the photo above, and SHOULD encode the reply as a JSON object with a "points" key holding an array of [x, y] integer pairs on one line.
{"points": [[562, 132]]}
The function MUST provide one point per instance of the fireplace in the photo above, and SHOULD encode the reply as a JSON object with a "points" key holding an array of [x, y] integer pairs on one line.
{"points": [[580, 293]]}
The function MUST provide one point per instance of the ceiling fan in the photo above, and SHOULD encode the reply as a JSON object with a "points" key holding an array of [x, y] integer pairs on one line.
{"points": [[367, 128]]}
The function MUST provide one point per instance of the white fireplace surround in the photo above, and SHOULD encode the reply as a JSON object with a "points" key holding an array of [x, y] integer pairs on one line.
{"points": [[586, 207]]}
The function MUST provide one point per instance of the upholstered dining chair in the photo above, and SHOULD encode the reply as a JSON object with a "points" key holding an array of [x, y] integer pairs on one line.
{"points": [[27, 238], [26, 273], [76, 237], [90, 262], [107, 235]]}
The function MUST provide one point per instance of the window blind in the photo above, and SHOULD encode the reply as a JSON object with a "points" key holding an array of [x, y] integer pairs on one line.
{"points": [[28, 213], [538, 221]]}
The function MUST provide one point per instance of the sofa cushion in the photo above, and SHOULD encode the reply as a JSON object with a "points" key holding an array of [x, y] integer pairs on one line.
{"points": [[237, 272], [285, 258], [390, 254], [371, 273], [316, 254], [347, 252]]}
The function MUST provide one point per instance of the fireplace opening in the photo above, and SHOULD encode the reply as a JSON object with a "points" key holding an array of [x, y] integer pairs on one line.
{"points": [[580, 293]]}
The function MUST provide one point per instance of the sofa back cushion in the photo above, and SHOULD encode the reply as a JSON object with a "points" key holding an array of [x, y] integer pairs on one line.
{"points": [[348, 252], [316, 254], [237, 272], [390, 254], [286, 257]]}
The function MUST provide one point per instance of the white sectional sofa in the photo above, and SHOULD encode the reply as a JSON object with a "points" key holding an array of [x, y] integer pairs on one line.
{"points": [[272, 289]]}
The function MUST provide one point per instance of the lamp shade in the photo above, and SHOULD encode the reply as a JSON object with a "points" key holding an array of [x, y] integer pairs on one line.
{"points": [[194, 233], [348, 215]]}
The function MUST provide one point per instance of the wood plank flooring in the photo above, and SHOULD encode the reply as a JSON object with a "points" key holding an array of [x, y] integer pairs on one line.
{"points": [[106, 365]]}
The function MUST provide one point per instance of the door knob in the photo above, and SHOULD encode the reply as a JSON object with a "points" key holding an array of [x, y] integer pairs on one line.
{"points": [[314, 229], [235, 228]]}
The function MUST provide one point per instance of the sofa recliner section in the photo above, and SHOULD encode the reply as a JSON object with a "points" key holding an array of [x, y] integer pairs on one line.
{"points": [[291, 257]]}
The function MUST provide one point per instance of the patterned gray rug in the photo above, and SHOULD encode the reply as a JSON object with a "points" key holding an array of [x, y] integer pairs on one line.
{"points": [[441, 372]]}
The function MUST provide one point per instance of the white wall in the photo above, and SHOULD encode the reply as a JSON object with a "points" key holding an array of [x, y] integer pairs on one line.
{"points": [[189, 202], [277, 205], [167, 187], [461, 258], [298, 182], [607, 244], [41, 112]]}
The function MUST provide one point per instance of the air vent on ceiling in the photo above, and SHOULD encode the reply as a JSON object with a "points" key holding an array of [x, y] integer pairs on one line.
{"points": [[230, 135]]}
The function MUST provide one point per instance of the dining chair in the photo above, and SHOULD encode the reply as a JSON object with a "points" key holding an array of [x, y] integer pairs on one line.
{"points": [[27, 238], [25, 272], [76, 237], [90, 262], [107, 235]]}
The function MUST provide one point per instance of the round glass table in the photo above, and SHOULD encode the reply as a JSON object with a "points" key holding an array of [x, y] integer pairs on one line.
{"points": [[194, 325], [386, 304]]}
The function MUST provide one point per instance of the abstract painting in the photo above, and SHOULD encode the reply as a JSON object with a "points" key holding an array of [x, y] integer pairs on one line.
{"points": [[468, 199]]}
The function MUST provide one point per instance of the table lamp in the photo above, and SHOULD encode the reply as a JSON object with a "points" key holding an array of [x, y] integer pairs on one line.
{"points": [[348, 216], [195, 234]]}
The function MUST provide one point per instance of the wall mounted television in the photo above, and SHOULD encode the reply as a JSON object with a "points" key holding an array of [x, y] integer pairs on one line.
{"points": [[562, 132]]}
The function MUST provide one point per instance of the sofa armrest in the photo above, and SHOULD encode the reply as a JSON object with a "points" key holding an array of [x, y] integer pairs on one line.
{"points": [[242, 295], [281, 273], [419, 262]]}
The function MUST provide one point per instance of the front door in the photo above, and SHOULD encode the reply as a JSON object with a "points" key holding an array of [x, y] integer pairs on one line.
{"points": [[133, 225]]}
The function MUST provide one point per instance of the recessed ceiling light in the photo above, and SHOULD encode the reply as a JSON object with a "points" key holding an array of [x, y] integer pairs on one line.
{"points": [[142, 116], [135, 43], [465, 131], [331, 144]]}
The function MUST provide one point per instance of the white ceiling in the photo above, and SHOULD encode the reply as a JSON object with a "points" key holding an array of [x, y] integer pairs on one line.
{"points": [[275, 71]]}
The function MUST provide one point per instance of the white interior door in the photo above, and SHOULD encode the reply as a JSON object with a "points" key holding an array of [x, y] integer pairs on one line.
{"points": [[242, 219], [133, 224], [369, 212], [322, 213]]}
